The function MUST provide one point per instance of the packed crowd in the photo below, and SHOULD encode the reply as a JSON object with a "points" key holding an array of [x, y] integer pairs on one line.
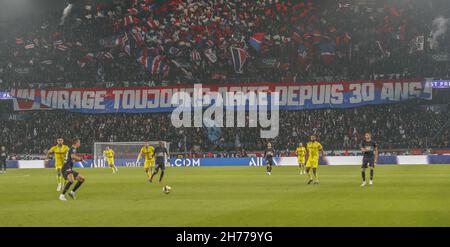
{"points": [[160, 41], [396, 126]]}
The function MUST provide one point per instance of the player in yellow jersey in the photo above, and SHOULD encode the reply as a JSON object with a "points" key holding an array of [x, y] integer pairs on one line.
{"points": [[313, 148], [301, 154], [58, 152], [108, 154], [148, 152]]}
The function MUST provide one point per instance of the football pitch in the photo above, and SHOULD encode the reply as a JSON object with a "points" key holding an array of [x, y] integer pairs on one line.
{"points": [[231, 196]]}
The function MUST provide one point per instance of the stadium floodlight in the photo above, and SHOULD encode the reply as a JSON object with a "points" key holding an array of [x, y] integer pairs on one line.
{"points": [[125, 153]]}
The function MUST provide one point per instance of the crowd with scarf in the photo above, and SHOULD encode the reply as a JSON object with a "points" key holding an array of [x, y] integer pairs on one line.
{"points": [[403, 126]]}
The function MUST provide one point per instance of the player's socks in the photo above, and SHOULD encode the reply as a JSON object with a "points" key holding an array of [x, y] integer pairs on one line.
{"points": [[161, 176], [77, 186], [310, 177], [151, 177], [316, 176], [58, 178], [363, 175], [72, 195], [371, 174], [67, 187]]}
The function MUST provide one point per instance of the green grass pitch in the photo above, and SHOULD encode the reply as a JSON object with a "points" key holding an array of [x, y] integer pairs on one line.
{"points": [[231, 196]]}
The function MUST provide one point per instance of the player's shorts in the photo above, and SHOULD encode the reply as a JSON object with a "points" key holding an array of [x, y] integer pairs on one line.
{"points": [[312, 163], [149, 163], [301, 160], [368, 162], [66, 173], [160, 164], [269, 161], [59, 164], [110, 162]]}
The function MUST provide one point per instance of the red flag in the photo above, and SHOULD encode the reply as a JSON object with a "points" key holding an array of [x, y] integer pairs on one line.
{"points": [[395, 12], [19, 41], [133, 11]]}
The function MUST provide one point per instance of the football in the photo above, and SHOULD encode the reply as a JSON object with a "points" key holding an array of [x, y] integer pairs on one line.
{"points": [[167, 189]]}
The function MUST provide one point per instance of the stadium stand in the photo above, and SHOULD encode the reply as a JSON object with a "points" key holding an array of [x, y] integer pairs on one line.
{"points": [[141, 42]]}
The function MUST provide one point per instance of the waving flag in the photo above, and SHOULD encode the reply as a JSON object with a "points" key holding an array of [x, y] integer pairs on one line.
{"points": [[121, 39], [174, 51], [180, 66], [384, 52], [302, 51], [104, 55], [211, 55], [138, 35], [133, 11], [155, 65], [296, 37], [58, 42], [47, 62], [239, 56], [127, 48], [19, 41], [108, 55], [210, 43], [195, 56], [153, 24], [256, 40], [87, 58], [30, 46], [142, 59], [128, 20], [62, 47]]}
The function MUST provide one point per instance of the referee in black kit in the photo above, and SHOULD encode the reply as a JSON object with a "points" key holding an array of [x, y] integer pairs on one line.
{"points": [[3, 158]]}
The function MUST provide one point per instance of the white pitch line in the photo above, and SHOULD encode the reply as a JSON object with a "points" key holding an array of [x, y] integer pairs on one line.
{"points": [[16, 175]]}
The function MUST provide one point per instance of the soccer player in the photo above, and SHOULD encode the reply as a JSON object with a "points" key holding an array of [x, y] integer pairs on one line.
{"points": [[314, 148], [301, 155], [59, 152], [108, 154], [69, 174], [3, 158], [149, 153], [268, 155], [370, 152], [160, 152]]}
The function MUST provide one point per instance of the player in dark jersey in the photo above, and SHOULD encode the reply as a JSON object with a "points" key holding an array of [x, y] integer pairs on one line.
{"points": [[160, 161], [370, 156], [3, 158], [268, 155], [69, 174]]}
